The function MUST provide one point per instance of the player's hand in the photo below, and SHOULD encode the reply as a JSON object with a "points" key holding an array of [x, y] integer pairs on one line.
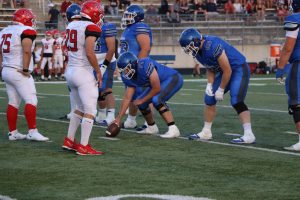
{"points": [[219, 95], [27, 74], [99, 78], [117, 121], [209, 90], [279, 76], [103, 68], [138, 102]]}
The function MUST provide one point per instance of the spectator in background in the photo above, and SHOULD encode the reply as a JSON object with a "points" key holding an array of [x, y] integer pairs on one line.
{"points": [[79, 2], [229, 8], [211, 8], [164, 7], [261, 10], [199, 8], [249, 7], [176, 6], [124, 3], [53, 17], [114, 7], [184, 7], [281, 12], [172, 16], [151, 14], [238, 6], [64, 5]]}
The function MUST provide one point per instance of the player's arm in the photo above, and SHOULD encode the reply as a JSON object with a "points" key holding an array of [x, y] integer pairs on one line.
{"points": [[53, 50], [125, 104], [155, 88], [27, 38], [210, 75], [144, 42], [226, 69], [111, 46]]}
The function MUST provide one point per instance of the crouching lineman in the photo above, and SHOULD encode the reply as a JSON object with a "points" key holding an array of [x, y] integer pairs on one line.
{"points": [[149, 82], [227, 69], [17, 43], [81, 37], [291, 53], [105, 50]]}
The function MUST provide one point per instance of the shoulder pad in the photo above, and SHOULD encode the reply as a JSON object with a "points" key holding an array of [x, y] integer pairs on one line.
{"points": [[291, 26]]}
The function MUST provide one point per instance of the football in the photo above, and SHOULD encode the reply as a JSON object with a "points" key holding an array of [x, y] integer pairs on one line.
{"points": [[113, 130]]}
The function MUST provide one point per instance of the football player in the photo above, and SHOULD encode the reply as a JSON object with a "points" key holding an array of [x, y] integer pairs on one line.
{"points": [[227, 70], [47, 54], [149, 82], [136, 38], [105, 52], [58, 54], [291, 53], [17, 43], [81, 38]]}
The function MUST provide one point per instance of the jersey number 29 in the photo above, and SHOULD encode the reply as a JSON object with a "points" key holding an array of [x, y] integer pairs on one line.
{"points": [[72, 40]]}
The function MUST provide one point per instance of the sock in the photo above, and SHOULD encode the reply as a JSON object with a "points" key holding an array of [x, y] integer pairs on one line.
{"points": [[171, 124], [111, 113], [248, 130], [207, 125], [130, 117], [74, 123], [86, 129], [30, 114], [12, 116], [72, 103], [101, 114]]}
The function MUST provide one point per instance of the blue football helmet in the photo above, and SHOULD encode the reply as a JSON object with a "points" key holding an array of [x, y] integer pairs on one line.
{"points": [[73, 11], [127, 64], [296, 5], [133, 14], [190, 41]]}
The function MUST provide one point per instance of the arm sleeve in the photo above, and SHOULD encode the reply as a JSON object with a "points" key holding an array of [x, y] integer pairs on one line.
{"points": [[149, 67], [143, 29], [92, 30], [29, 33], [217, 51]]}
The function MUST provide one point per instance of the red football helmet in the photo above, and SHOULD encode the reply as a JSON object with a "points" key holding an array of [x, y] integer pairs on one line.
{"points": [[56, 33], [92, 10], [24, 16], [48, 34]]}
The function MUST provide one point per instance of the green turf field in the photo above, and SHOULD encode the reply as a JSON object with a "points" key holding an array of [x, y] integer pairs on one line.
{"points": [[141, 164]]}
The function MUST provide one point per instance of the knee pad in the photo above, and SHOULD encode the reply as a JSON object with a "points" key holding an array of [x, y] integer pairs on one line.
{"points": [[15, 102], [162, 108], [240, 107], [295, 111], [146, 111], [31, 100], [102, 95]]}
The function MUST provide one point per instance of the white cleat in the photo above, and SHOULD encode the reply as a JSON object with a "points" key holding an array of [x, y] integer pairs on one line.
{"points": [[205, 134], [129, 124], [173, 132], [150, 130], [36, 136], [15, 135], [295, 147], [99, 119]]}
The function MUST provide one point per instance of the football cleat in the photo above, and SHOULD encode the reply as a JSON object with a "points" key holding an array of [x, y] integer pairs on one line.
{"points": [[173, 132], [69, 144], [141, 127], [33, 134], [295, 147], [87, 150], [203, 135], [150, 130], [101, 123], [129, 124], [243, 140], [15, 135]]}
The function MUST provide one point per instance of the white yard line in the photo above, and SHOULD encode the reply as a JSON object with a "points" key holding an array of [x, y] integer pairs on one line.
{"points": [[233, 134], [210, 142], [291, 132]]}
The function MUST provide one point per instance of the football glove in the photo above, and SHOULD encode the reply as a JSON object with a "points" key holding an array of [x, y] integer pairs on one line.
{"points": [[219, 95], [103, 68], [279, 76], [209, 90]]}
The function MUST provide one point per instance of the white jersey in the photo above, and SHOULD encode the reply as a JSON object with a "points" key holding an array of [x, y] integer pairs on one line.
{"points": [[58, 45], [48, 45], [11, 44], [77, 31]]}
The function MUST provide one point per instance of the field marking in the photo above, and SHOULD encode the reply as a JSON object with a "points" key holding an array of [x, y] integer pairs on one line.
{"points": [[291, 132], [233, 134], [109, 138], [185, 94], [185, 138], [149, 196], [5, 197]]}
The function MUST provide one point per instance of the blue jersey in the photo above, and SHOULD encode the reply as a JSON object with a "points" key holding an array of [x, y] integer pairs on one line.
{"points": [[128, 41], [108, 30], [292, 23], [212, 49], [145, 69]]}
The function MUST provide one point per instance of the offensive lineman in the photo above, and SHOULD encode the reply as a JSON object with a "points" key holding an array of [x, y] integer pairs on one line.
{"points": [[17, 42]]}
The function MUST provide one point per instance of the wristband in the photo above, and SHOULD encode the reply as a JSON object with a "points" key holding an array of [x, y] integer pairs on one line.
{"points": [[25, 70], [106, 63]]}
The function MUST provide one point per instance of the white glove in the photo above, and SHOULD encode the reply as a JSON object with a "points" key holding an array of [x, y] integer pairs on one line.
{"points": [[281, 80], [209, 90], [103, 68], [219, 95]]}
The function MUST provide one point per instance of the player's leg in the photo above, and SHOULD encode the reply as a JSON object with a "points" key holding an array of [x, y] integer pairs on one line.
{"points": [[50, 67], [169, 88], [110, 98], [101, 116], [238, 89], [26, 89], [60, 65], [293, 91], [14, 101], [43, 64], [55, 66]]}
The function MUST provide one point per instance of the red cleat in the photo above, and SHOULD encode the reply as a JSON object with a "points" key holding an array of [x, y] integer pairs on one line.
{"points": [[69, 144], [87, 150]]}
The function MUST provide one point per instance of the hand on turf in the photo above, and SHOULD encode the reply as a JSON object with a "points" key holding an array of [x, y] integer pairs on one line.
{"points": [[219, 95], [280, 76], [209, 90]]}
